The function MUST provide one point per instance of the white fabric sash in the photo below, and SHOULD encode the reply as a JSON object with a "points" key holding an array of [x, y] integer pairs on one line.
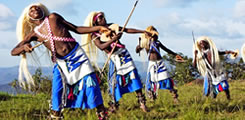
{"points": [[75, 66], [216, 79], [157, 71], [123, 61]]}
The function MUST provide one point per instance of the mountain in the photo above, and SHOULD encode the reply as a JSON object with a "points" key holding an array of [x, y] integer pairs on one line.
{"points": [[8, 74], [11, 73]]}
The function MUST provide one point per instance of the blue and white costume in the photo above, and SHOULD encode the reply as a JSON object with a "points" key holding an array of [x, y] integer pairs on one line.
{"points": [[74, 82], [126, 75], [214, 81], [157, 74]]}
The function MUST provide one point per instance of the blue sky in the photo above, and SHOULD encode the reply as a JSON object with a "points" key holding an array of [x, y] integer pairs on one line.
{"points": [[222, 20]]}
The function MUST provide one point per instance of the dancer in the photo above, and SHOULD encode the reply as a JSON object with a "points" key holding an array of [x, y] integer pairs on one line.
{"points": [[243, 52], [157, 75], [123, 76], [207, 61], [74, 83]]}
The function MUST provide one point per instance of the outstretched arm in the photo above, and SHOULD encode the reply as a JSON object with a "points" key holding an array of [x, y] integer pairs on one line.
{"points": [[226, 52], [132, 30], [79, 29], [166, 49], [178, 58], [24, 46]]}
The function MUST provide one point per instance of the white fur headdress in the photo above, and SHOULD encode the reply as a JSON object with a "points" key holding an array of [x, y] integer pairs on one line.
{"points": [[200, 61], [145, 39], [87, 43], [243, 52], [24, 27]]}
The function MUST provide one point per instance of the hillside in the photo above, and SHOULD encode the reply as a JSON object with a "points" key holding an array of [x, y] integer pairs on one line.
{"points": [[192, 106], [10, 73]]}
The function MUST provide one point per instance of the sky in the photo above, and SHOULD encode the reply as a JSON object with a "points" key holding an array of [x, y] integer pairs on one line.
{"points": [[222, 20]]}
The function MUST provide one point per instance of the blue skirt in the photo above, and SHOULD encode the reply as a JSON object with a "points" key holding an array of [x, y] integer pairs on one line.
{"points": [[123, 83], [89, 97], [163, 84], [223, 85]]}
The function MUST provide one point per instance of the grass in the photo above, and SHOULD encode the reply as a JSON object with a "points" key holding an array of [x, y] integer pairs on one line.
{"points": [[192, 105]]}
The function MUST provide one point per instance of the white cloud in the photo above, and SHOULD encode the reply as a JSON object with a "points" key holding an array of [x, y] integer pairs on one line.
{"points": [[5, 25], [8, 40], [7, 18], [174, 3], [53, 4], [66, 6], [5, 12], [174, 24], [239, 10], [175, 31]]}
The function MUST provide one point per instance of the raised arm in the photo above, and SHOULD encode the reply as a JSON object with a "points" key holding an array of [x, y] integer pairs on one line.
{"points": [[138, 48], [195, 59], [24, 46]]}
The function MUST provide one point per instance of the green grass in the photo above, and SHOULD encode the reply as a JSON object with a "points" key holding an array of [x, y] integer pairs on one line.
{"points": [[192, 105]]}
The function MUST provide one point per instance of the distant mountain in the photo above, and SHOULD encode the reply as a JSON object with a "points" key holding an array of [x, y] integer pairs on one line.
{"points": [[7, 88], [11, 73], [8, 74]]}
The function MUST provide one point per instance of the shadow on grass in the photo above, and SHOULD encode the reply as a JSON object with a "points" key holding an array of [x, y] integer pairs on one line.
{"points": [[224, 106], [4, 97]]}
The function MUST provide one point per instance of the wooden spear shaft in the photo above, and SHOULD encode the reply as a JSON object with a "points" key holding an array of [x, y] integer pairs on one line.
{"points": [[117, 40]]}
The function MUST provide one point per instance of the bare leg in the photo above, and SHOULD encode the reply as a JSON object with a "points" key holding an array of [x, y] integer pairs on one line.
{"points": [[227, 92], [152, 95], [113, 106], [175, 95], [214, 95], [55, 115], [141, 100], [102, 112]]}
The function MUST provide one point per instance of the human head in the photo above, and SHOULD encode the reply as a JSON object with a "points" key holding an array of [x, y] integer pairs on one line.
{"points": [[203, 44], [25, 24], [153, 31], [35, 13], [99, 19], [145, 38]]}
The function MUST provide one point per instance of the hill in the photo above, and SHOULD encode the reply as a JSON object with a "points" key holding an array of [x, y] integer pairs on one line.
{"points": [[192, 106], [8, 74]]}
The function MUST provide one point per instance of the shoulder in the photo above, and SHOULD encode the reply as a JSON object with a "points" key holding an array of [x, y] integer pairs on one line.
{"points": [[55, 16], [110, 24], [158, 42]]}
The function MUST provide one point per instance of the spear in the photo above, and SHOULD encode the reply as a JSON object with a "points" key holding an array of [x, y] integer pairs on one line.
{"points": [[193, 37], [139, 44], [117, 40]]}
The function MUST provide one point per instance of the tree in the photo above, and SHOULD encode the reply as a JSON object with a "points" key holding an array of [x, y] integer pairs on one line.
{"points": [[182, 72]]}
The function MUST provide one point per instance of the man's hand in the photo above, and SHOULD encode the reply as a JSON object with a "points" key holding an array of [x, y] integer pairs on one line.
{"points": [[117, 36], [178, 58], [104, 29], [196, 52], [138, 49], [148, 33], [28, 47]]}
